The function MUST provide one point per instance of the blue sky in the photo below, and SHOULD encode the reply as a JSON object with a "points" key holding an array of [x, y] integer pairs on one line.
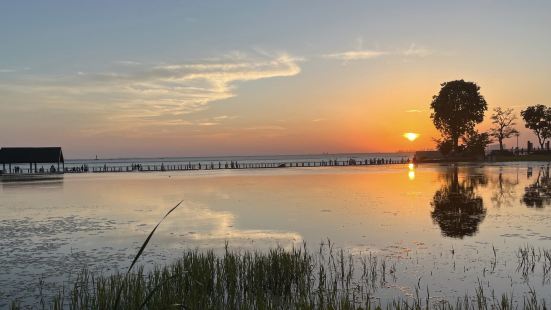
{"points": [[126, 78]]}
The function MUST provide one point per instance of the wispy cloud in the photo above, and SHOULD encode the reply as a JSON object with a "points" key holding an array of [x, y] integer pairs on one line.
{"points": [[127, 63], [414, 111], [143, 94], [208, 124], [221, 117], [413, 50], [265, 128], [418, 51], [356, 55], [13, 70]]}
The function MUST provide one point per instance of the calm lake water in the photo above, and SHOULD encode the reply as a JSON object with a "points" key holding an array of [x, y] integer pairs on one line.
{"points": [[438, 224]]}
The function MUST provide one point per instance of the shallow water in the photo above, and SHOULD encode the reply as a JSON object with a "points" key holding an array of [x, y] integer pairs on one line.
{"points": [[438, 224]]}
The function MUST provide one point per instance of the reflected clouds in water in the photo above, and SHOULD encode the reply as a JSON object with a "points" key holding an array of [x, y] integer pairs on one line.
{"points": [[204, 226]]}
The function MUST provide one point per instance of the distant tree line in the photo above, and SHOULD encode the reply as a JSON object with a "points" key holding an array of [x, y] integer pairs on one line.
{"points": [[459, 107]]}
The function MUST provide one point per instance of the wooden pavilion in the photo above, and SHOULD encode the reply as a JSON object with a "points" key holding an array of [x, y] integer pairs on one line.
{"points": [[31, 156]]}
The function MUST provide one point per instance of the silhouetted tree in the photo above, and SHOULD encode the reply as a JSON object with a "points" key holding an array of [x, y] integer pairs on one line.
{"points": [[538, 119], [444, 145], [475, 142], [503, 122], [457, 109], [456, 208]]}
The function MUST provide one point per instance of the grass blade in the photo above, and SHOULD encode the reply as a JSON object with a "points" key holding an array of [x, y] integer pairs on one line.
{"points": [[142, 248], [149, 237]]}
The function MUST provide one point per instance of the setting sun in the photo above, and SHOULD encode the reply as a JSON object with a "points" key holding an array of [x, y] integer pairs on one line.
{"points": [[411, 136]]}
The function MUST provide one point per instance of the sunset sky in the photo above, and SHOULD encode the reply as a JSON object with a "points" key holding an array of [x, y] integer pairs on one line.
{"points": [[183, 78]]}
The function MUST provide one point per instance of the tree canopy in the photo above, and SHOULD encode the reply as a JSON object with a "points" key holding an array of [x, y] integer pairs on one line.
{"points": [[457, 109], [538, 119]]}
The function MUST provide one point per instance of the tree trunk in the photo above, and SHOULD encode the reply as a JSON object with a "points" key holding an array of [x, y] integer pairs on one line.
{"points": [[500, 144], [455, 180], [455, 141]]}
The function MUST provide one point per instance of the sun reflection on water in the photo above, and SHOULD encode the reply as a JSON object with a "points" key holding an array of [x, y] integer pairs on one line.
{"points": [[411, 172]]}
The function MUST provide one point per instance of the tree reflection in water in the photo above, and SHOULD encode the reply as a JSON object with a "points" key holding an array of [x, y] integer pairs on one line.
{"points": [[456, 208], [538, 194], [504, 193]]}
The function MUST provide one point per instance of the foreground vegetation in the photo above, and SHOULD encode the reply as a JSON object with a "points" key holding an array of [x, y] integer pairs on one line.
{"points": [[249, 280], [277, 279]]}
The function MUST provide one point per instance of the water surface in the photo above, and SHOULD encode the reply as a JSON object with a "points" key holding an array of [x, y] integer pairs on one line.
{"points": [[438, 224]]}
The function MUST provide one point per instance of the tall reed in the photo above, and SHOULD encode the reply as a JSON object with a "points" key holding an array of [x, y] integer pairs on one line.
{"points": [[277, 279]]}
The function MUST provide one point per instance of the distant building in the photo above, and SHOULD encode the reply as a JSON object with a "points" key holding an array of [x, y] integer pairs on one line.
{"points": [[495, 147], [428, 156], [15, 159]]}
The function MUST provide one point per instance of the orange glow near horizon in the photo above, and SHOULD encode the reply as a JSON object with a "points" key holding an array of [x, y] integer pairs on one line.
{"points": [[270, 92]]}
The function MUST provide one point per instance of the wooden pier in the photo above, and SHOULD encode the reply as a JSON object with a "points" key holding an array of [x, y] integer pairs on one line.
{"points": [[232, 165], [27, 163]]}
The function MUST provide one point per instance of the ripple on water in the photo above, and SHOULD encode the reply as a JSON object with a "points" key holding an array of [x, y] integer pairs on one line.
{"points": [[33, 249]]}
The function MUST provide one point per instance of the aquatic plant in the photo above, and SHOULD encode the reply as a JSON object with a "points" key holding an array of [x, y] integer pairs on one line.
{"points": [[277, 279]]}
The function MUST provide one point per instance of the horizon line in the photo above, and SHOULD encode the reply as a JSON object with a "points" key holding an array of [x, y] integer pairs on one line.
{"points": [[229, 156]]}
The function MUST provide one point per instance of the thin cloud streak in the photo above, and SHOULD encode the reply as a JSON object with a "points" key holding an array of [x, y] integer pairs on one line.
{"points": [[418, 51], [365, 54], [356, 55], [265, 128], [140, 95], [208, 124]]}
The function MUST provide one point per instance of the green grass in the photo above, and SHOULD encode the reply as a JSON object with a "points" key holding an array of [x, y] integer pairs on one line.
{"points": [[277, 279]]}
